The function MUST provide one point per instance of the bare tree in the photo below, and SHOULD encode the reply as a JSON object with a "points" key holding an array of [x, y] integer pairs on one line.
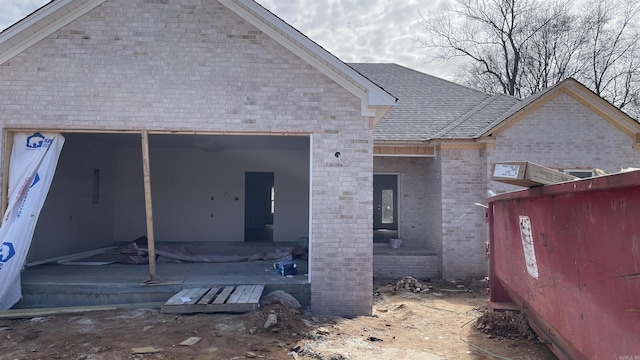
{"points": [[613, 70], [553, 53], [519, 47], [493, 34]]}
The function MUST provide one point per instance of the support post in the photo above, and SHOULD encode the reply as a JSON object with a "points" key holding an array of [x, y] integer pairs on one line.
{"points": [[6, 156], [147, 203]]}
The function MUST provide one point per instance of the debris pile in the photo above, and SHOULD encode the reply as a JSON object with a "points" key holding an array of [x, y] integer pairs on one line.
{"points": [[284, 298], [277, 319], [505, 324], [409, 283]]}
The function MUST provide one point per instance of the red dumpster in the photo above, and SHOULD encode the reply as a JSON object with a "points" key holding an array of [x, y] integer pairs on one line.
{"points": [[568, 256]]}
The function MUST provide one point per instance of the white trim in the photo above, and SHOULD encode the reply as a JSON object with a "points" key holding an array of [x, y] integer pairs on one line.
{"points": [[399, 198], [407, 155], [310, 243], [38, 16]]}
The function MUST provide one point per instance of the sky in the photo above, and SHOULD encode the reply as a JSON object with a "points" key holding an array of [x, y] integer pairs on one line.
{"points": [[352, 30]]}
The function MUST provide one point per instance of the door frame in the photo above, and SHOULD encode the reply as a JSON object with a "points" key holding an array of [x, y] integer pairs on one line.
{"points": [[398, 198]]}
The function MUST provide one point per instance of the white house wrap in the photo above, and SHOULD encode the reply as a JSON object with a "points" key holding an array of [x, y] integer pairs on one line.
{"points": [[33, 163]]}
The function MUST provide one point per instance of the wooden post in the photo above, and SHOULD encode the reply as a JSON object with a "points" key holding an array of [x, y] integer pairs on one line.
{"points": [[6, 158], [147, 203]]}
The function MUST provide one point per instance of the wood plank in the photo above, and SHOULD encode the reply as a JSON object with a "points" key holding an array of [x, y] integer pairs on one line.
{"points": [[179, 309], [195, 295], [145, 350], [29, 313], [146, 172], [87, 263], [256, 294], [237, 294], [247, 294], [190, 341], [217, 308], [232, 299], [161, 282], [175, 299], [8, 147], [206, 299], [222, 298], [71, 257]]}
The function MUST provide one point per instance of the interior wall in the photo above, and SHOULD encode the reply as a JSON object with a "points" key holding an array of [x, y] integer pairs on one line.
{"points": [[198, 196], [70, 221]]}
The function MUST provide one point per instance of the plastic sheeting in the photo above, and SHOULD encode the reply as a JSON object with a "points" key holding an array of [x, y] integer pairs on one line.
{"points": [[34, 157]]}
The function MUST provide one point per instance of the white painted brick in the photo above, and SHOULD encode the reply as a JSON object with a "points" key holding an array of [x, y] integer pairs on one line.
{"points": [[196, 66]]}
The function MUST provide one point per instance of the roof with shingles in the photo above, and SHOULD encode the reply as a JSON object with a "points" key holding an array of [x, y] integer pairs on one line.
{"points": [[430, 108]]}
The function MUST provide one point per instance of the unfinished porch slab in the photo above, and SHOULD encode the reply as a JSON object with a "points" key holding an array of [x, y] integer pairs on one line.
{"points": [[59, 285], [215, 299]]}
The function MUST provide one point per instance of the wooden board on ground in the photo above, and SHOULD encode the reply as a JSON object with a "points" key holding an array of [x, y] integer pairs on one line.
{"points": [[145, 350], [29, 313], [191, 341], [215, 299]]}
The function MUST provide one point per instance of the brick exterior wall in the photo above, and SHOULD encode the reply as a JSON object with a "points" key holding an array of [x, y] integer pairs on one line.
{"points": [[397, 266], [561, 134], [564, 134], [195, 66], [412, 195], [464, 231], [420, 213], [433, 216]]}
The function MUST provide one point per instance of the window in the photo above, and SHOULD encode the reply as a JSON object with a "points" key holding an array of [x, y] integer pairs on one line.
{"points": [[387, 206], [273, 199]]}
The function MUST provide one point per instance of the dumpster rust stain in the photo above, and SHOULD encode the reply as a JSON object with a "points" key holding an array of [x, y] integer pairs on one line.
{"points": [[633, 314], [635, 251], [635, 276], [543, 238]]}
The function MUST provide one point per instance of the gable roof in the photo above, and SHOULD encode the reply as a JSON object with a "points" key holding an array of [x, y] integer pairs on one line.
{"points": [[577, 91], [375, 101], [431, 108]]}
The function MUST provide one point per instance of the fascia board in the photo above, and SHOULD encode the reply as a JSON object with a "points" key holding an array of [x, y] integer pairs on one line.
{"points": [[603, 108], [369, 93], [40, 16]]}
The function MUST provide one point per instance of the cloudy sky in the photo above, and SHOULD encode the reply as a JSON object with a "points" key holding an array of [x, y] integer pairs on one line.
{"points": [[353, 30]]}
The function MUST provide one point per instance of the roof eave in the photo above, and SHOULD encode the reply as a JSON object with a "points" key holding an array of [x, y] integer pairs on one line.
{"points": [[583, 95], [482, 143]]}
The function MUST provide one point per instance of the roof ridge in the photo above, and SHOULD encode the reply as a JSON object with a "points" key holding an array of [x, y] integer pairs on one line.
{"points": [[421, 73], [466, 116]]}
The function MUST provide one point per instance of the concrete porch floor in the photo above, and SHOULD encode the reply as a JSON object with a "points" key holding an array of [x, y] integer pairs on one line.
{"points": [[53, 285], [80, 285]]}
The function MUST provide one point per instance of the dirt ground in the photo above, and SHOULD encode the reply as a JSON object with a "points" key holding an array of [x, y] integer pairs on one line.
{"points": [[439, 322]]}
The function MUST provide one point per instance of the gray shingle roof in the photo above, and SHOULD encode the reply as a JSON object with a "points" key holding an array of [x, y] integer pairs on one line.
{"points": [[431, 108]]}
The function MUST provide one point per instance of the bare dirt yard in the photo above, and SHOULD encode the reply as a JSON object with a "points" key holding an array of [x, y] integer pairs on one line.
{"points": [[438, 322]]}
